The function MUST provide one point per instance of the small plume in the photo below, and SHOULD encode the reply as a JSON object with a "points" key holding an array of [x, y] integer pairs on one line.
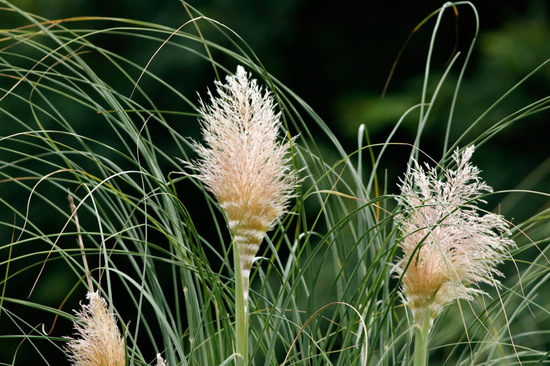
{"points": [[243, 164], [447, 245], [160, 361], [99, 342]]}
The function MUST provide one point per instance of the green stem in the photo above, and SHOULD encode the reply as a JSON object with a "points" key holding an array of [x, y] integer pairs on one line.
{"points": [[421, 334], [241, 311]]}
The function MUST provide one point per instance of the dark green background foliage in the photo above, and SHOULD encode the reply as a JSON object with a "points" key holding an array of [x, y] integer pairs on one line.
{"points": [[337, 56], [338, 59]]}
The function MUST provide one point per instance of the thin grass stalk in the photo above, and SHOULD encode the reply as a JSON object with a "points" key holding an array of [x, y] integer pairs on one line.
{"points": [[461, 74], [241, 312]]}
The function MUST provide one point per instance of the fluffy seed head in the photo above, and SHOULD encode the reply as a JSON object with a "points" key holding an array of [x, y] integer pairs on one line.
{"points": [[99, 342], [447, 245], [243, 163]]}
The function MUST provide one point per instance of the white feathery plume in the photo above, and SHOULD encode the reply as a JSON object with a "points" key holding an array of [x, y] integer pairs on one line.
{"points": [[244, 164], [160, 361], [447, 245], [99, 342]]}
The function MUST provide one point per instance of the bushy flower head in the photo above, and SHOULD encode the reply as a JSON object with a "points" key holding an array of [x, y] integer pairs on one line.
{"points": [[99, 342], [448, 246], [243, 163]]}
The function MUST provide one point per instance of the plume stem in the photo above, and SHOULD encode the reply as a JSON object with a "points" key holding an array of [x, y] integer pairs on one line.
{"points": [[241, 308], [422, 332]]}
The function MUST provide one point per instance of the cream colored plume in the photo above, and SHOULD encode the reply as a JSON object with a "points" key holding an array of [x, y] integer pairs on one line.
{"points": [[98, 341], [448, 246], [244, 162]]}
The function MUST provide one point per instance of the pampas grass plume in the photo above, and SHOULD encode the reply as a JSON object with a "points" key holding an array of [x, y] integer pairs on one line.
{"points": [[98, 342], [447, 245], [243, 163]]}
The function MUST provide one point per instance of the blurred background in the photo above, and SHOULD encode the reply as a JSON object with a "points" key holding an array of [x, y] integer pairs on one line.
{"points": [[338, 57]]}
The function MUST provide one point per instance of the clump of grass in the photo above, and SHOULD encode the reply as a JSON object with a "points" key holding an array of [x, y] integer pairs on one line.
{"points": [[321, 290]]}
